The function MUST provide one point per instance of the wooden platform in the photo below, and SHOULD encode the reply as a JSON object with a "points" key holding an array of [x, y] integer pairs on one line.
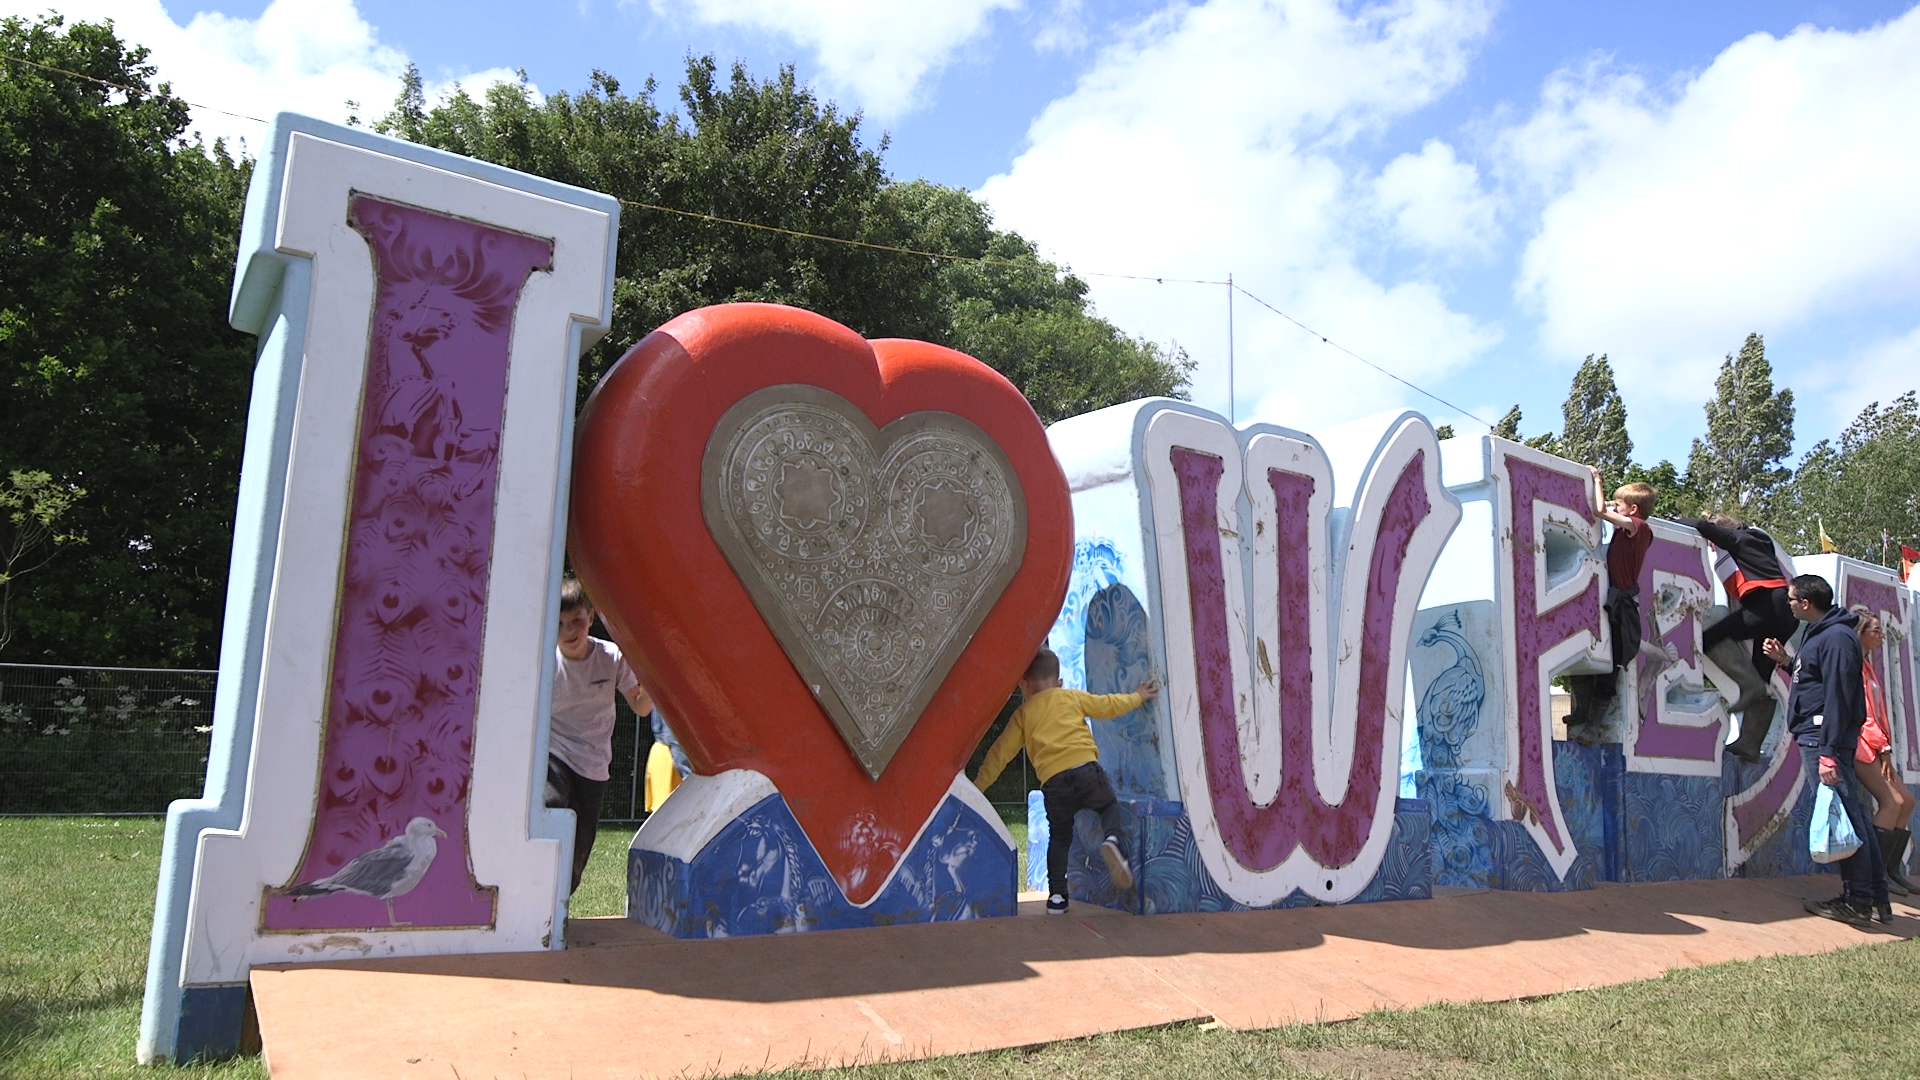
{"points": [[628, 1002]]}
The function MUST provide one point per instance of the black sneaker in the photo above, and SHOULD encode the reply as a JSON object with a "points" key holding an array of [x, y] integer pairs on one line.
{"points": [[1883, 912], [1840, 910], [1056, 904], [1117, 867]]}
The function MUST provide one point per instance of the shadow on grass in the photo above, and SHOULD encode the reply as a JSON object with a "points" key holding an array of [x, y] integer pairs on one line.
{"points": [[30, 1018]]}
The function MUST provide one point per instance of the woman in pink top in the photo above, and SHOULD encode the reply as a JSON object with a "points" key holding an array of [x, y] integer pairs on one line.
{"points": [[1875, 756]]}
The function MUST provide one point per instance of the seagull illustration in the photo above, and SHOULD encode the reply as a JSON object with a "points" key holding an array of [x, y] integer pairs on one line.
{"points": [[390, 870]]}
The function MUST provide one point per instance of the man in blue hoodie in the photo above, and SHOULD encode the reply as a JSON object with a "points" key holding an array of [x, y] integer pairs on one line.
{"points": [[1828, 705]]}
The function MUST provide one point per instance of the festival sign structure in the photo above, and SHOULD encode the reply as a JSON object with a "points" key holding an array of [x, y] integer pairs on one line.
{"points": [[1514, 602], [385, 665], [1277, 604], [1679, 721], [831, 559]]}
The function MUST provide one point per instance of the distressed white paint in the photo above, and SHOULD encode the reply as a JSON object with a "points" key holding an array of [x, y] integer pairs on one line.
{"points": [[507, 851]]}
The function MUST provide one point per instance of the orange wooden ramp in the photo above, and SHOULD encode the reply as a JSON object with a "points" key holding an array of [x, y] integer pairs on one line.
{"points": [[627, 1002]]}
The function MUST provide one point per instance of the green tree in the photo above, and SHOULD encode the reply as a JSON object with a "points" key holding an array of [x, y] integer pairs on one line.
{"points": [[32, 513], [1594, 430], [120, 375], [1508, 428], [408, 117], [1677, 496], [1749, 430], [1865, 487], [770, 153]]}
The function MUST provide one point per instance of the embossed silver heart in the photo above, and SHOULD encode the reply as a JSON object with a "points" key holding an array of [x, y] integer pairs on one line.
{"points": [[873, 554]]}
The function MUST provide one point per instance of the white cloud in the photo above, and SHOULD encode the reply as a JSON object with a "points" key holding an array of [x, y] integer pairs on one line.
{"points": [[1063, 29], [1216, 138], [1434, 201], [1831, 393], [1773, 191], [878, 51], [307, 56]]}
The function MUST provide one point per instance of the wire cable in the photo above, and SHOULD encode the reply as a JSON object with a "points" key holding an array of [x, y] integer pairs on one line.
{"points": [[1325, 340], [145, 90], [983, 260]]}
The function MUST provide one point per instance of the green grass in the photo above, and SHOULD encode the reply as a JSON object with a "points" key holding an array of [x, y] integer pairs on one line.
{"points": [[76, 900], [1841, 1016], [76, 905]]}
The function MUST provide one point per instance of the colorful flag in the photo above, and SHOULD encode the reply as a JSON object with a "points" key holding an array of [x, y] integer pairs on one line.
{"points": [[1827, 546], [1908, 557]]}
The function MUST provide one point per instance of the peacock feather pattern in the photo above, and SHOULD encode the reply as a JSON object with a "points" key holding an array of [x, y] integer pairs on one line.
{"points": [[399, 726]]}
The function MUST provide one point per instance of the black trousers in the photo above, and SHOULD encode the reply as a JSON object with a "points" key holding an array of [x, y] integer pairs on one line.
{"points": [[569, 790], [1623, 619], [1083, 787], [1761, 614]]}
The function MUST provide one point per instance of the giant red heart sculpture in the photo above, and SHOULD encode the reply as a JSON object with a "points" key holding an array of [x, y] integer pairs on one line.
{"points": [[676, 578]]}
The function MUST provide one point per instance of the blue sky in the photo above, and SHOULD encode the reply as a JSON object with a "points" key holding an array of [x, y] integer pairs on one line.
{"points": [[1471, 194]]}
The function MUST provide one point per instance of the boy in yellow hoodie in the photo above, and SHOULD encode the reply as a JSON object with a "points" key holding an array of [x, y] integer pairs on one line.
{"points": [[1051, 726]]}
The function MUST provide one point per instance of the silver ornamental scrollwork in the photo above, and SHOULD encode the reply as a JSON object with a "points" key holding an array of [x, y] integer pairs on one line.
{"points": [[873, 554]]}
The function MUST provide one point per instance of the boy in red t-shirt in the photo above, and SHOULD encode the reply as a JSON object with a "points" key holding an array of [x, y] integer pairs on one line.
{"points": [[1628, 511]]}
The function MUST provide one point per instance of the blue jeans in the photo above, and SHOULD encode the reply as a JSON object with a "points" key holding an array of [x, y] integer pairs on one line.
{"points": [[1863, 874]]}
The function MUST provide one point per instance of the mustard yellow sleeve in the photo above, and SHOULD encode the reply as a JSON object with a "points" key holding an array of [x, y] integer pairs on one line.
{"points": [[1105, 706], [1002, 751]]}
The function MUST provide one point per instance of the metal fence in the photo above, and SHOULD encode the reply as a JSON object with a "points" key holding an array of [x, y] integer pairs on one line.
{"points": [[90, 740], [128, 741]]}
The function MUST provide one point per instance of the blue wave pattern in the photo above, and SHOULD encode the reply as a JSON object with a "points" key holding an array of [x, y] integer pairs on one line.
{"points": [[1096, 564], [1170, 878], [1588, 779], [1462, 829], [760, 875], [1672, 828], [1783, 854], [1118, 657]]}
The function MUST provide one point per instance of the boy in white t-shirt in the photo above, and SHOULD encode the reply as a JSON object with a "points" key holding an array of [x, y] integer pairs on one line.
{"points": [[580, 739]]}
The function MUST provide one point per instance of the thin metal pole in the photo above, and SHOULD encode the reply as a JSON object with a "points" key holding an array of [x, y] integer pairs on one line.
{"points": [[1233, 416], [633, 787]]}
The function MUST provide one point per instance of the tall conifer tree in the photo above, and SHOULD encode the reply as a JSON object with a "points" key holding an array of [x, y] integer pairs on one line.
{"points": [[1595, 421], [1749, 430]]}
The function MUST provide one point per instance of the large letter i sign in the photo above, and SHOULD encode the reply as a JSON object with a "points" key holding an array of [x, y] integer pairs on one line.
{"points": [[373, 787]]}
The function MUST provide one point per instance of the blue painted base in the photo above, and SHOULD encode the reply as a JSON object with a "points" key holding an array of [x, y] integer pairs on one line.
{"points": [[1169, 877], [212, 1022], [1674, 828], [1472, 850], [1784, 854], [1629, 827], [760, 875]]}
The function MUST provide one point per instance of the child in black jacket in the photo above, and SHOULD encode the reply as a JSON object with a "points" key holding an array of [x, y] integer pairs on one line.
{"points": [[1751, 565]]}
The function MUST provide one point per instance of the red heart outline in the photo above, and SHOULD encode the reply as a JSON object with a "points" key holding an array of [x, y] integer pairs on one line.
{"points": [[639, 542]]}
